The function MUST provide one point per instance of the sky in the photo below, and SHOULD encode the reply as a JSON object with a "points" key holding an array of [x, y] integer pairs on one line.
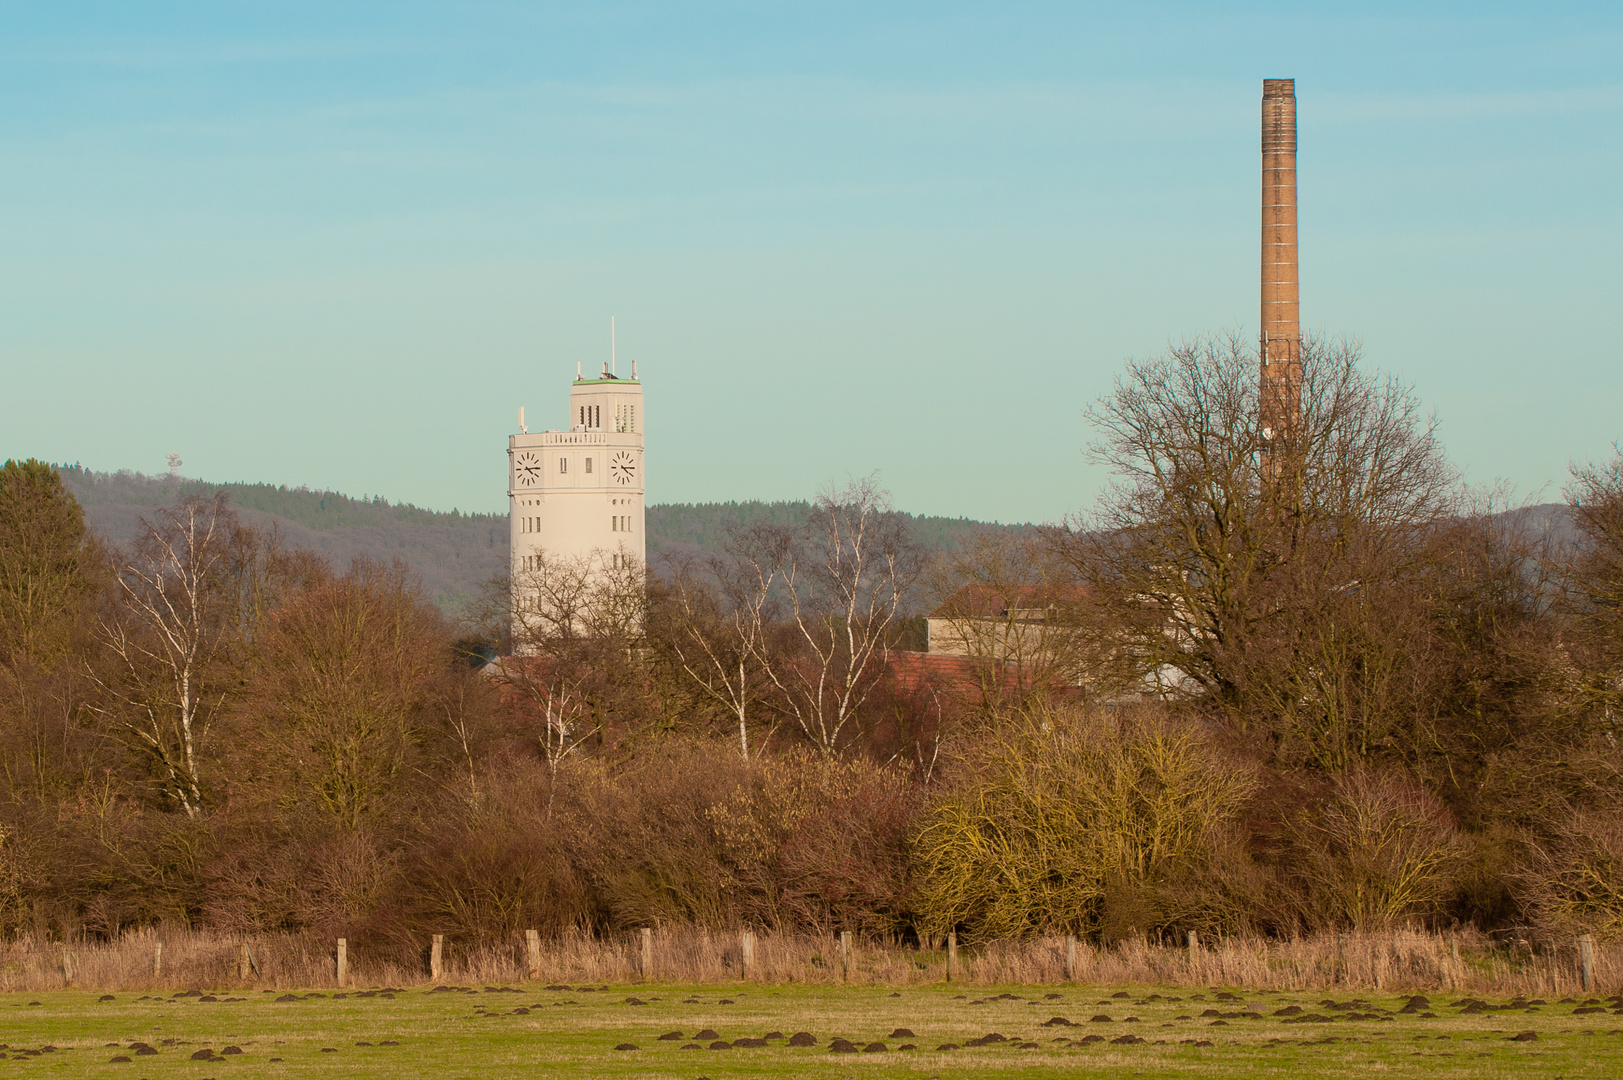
{"points": [[339, 244]]}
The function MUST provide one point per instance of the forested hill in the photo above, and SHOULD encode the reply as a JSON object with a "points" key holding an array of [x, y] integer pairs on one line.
{"points": [[674, 526], [454, 552]]}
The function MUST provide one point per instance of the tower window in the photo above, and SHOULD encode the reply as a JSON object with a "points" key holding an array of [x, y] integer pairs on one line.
{"points": [[588, 465], [563, 464]]}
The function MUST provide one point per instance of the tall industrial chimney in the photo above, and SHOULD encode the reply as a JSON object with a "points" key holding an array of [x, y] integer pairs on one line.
{"points": [[1281, 397]]}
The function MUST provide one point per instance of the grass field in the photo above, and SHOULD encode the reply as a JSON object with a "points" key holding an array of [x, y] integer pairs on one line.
{"points": [[530, 1031]]}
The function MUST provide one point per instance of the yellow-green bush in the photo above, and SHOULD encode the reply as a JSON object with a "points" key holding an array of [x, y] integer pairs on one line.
{"points": [[1051, 829]]}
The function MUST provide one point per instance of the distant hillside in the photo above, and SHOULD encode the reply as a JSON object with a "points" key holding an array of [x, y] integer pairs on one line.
{"points": [[453, 552], [674, 526]]}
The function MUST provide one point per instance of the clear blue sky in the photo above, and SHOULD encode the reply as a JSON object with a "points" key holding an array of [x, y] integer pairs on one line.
{"points": [[339, 244]]}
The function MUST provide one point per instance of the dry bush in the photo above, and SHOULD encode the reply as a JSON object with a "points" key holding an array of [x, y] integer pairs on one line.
{"points": [[645, 839], [1573, 880], [827, 844], [496, 864], [1076, 829], [1378, 850], [689, 832]]}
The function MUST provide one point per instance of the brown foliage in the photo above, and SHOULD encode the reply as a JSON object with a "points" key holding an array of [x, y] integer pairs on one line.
{"points": [[349, 671], [1262, 598], [1376, 852]]}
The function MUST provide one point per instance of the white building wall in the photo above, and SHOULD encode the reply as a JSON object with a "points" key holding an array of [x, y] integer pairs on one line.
{"points": [[580, 491]]}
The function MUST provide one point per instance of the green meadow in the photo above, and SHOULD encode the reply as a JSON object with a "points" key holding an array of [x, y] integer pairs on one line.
{"points": [[993, 1032]]}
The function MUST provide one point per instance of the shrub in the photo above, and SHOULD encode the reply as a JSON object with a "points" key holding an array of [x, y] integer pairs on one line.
{"points": [[1573, 879], [1075, 829], [1379, 849]]}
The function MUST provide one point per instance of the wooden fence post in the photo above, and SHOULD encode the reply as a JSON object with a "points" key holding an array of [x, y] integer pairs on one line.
{"points": [[436, 958], [532, 943], [343, 962], [245, 963], [1070, 958], [647, 952], [746, 949], [1586, 961], [67, 967], [952, 954], [1194, 955], [157, 960]]}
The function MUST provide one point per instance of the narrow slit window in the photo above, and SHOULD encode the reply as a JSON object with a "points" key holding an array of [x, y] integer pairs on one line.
{"points": [[563, 464], [588, 465]]}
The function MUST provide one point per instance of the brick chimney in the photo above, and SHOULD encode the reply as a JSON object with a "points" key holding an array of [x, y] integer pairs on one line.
{"points": [[1281, 390]]}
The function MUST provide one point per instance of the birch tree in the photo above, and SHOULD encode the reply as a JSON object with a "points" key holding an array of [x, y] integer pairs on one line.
{"points": [[172, 633], [720, 610], [843, 578]]}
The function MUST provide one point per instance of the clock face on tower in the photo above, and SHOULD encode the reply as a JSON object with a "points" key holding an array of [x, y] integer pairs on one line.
{"points": [[527, 468], [623, 468]]}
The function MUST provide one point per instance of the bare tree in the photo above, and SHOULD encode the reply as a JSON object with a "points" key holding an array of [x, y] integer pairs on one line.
{"points": [[575, 627], [719, 612], [1593, 578], [554, 601], [351, 669], [172, 632], [52, 571], [843, 579], [1020, 618], [1222, 583]]}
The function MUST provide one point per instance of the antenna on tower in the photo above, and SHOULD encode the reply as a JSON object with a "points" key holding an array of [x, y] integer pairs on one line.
{"points": [[577, 371], [522, 429], [174, 464], [612, 368]]}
